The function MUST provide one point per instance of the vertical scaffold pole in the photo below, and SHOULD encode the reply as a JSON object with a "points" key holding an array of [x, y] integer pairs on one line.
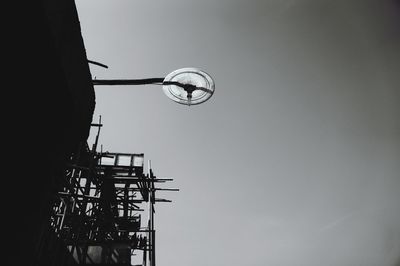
{"points": [[151, 217]]}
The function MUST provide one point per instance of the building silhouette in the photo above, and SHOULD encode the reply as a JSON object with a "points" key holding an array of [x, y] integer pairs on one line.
{"points": [[63, 202]]}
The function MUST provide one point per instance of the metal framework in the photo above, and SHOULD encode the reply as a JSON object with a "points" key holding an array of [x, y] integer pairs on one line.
{"points": [[104, 212]]}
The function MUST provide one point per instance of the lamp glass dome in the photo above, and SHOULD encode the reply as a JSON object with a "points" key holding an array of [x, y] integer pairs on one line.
{"points": [[196, 86]]}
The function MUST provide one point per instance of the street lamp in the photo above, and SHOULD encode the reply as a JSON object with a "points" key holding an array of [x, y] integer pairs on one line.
{"points": [[187, 86]]}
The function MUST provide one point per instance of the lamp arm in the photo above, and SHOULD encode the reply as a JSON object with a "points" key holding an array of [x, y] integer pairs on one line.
{"points": [[127, 81], [158, 81]]}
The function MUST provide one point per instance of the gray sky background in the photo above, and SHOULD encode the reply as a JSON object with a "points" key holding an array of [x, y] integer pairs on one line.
{"points": [[295, 159]]}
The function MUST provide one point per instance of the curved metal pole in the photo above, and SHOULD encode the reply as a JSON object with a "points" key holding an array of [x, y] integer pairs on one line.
{"points": [[159, 81]]}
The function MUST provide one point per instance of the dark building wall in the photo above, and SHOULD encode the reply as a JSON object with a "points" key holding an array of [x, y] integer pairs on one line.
{"points": [[49, 111], [64, 24]]}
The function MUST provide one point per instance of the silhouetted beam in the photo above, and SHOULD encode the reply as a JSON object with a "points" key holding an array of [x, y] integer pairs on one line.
{"points": [[97, 63], [140, 180], [145, 231], [119, 168], [167, 189], [162, 200], [127, 81], [122, 153], [109, 243], [96, 125]]}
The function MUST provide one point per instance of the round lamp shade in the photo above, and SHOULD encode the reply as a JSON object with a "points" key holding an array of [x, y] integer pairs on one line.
{"points": [[188, 86]]}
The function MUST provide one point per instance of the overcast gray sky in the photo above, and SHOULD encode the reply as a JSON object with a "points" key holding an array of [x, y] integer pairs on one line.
{"points": [[295, 159]]}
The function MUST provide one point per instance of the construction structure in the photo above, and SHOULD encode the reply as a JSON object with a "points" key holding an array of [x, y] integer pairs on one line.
{"points": [[103, 211]]}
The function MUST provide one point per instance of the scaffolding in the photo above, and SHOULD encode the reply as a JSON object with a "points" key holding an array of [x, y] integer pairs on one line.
{"points": [[104, 210]]}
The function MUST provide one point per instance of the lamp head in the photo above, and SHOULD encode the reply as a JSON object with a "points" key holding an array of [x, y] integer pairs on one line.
{"points": [[188, 86]]}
